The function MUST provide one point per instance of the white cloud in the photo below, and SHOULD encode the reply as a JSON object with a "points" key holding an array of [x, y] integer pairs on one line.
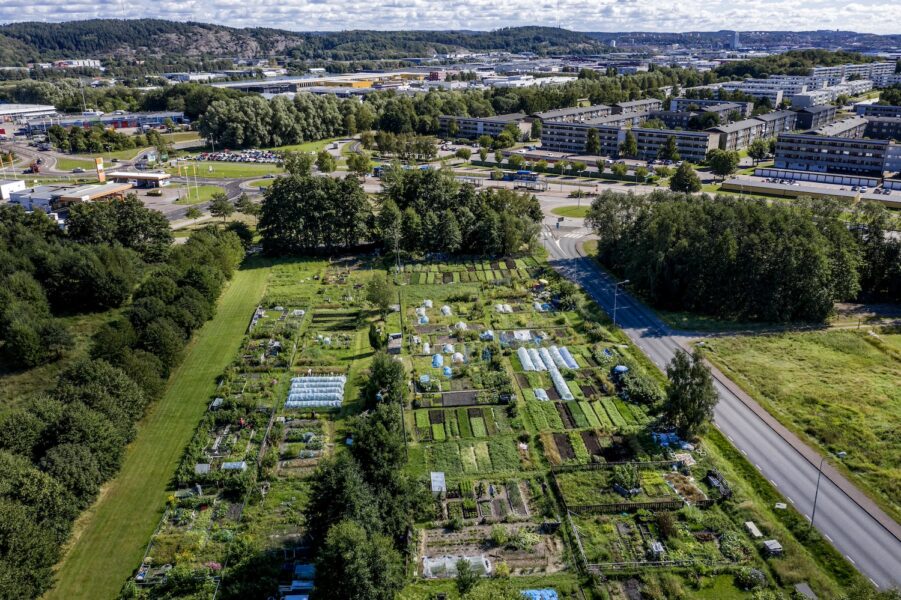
{"points": [[876, 16]]}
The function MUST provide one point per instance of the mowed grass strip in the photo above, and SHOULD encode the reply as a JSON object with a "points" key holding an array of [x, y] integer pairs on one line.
{"points": [[111, 536]]}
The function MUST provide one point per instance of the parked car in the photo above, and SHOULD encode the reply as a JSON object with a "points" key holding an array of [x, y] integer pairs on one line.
{"points": [[78, 170]]}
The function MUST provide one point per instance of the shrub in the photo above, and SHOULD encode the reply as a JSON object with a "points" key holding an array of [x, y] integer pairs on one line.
{"points": [[750, 579]]}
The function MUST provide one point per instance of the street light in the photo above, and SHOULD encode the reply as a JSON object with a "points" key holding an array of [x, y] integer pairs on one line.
{"points": [[616, 297], [813, 513]]}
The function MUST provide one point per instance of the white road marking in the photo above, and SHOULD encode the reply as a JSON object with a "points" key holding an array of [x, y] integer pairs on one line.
{"points": [[743, 452], [774, 483], [850, 559], [806, 516], [730, 439], [873, 582], [758, 467], [826, 535], [790, 500]]}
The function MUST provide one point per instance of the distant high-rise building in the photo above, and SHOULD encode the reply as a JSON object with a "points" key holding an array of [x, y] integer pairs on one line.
{"points": [[735, 42], [613, 43]]}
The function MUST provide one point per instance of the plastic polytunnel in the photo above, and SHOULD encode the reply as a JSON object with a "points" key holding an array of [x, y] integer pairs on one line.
{"points": [[547, 359], [558, 359], [568, 358], [560, 384], [525, 360], [536, 360], [540, 394]]}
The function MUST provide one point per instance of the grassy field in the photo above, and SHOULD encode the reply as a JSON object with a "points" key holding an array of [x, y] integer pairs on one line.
{"points": [[838, 389], [192, 195], [110, 537], [576, 212], [229, 170], [86, 161], [182, 136], [262, 183]]}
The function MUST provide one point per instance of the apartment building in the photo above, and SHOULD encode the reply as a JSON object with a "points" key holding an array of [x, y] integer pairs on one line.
{"points": [[826, 154], [814, 98], [883, 128], [877, 110], [771, 91], [572, 138], [576, 114], [778, 122], [693, 146], [738, 135], [813, 117], [682, 104], [473, 127], [852, 127], [674, 119], [637, 106], [840, 73]]}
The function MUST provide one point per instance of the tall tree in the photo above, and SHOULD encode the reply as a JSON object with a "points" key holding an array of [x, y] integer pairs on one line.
{"points": [[629, 147], [592, 143], [221, 206], [690, 395], [685, 179]]}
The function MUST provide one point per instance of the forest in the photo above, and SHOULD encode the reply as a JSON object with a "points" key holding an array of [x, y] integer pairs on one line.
{"points": [[747, 260], [57, 448]]}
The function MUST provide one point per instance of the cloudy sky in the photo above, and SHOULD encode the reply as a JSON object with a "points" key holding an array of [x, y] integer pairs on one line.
{"points": [[876, 16]]}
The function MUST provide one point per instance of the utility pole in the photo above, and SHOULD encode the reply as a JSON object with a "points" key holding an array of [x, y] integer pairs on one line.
{"points": [[813, 512]]}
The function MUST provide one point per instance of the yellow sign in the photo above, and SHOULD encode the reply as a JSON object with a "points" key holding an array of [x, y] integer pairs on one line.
{"points": [[101, 176]]}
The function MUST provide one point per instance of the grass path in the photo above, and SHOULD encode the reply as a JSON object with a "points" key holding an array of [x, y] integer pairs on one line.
{"points": [[110, 537]]}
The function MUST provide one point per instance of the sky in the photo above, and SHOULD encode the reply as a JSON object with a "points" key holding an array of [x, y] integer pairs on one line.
{"points": [[874, 16]]}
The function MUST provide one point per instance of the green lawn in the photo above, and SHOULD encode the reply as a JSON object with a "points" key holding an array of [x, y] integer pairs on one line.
{"points": [[110, 538], [86, 161], [839, 390], [191, 195], [229, 170], [67, 164], [576, 212], [182, 136], [262, 183]]}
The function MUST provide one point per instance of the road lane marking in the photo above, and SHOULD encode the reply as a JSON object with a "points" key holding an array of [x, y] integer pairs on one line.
{"points": [[774, 483], [743, 452], [851, 559], [828, 538], [806, 516], [874, 583], [758, 467], [730, 439], [790, 500]]}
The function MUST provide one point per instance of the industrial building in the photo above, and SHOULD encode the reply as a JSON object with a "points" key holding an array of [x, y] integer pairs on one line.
{"points": [[473, 127], [778, 121], [22, 112], [576, 114], [636, 106], [824, 154], [738, 135], [8, 186], [113, 120], [680, 104], [813, 117], [50, 197]]}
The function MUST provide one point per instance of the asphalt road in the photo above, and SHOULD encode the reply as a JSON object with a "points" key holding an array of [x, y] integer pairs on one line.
{"points": [[863, 533]]}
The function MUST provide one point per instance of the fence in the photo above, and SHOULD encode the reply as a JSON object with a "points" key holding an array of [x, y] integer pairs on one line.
{"points": [[617, 507]]}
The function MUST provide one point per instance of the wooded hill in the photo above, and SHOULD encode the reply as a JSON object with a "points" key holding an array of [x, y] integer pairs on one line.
{"points": [[24, 42]]}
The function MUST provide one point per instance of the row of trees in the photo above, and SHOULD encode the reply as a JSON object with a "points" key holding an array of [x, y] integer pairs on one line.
{"points": [[729, 257], [56, 449], [430, 211]]}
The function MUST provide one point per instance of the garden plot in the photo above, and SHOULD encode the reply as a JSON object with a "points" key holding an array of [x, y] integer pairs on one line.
{"points": [[460, 423], [524, 547], [486, 500], [686, 536], [194, 532], [616, 488], [498, 454], [304, 442]]}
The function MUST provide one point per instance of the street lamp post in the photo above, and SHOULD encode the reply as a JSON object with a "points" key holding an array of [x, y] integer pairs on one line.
{"points": [[616, 298], [813, 513]]}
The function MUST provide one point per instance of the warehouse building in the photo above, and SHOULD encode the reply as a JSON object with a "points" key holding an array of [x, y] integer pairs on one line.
{"points": [[824, 154], [473, 127], [110, 121], [738, 135], [813, 117], [22, 112]]}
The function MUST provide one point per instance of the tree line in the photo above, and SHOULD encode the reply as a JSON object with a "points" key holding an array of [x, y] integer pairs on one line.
{"points": [[57, 448], [745, 259]]}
